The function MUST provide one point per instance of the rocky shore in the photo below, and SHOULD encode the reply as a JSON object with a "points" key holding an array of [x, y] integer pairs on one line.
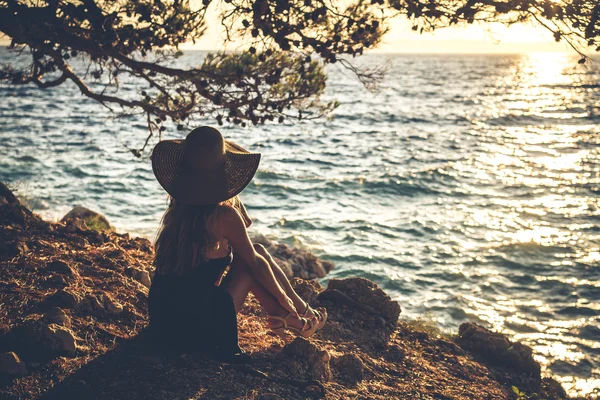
{"points": [[73, 317]]}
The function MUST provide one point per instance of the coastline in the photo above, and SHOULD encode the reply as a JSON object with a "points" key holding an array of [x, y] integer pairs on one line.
{"points": [[75, 315]]}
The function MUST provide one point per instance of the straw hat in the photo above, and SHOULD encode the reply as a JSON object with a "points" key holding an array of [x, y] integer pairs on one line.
{"points": [[204, 168]]}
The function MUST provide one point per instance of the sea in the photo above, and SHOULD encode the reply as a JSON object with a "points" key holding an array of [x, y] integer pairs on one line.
{"points": [[466, 186]]}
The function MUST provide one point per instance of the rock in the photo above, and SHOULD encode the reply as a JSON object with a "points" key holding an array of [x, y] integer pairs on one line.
{"points": [[7, 194], [302, 262], [59, 339], [75, 225], [91, 302], [308, 290], [285, 266], [366, 292], [19, 214], [61, 267], [57, 316], [13, 248], [112, 306], [551, 389], [41, 339], [92, 219], [261, 239], [395, 353], [11, 364], [99, 237], [138, 243], [12, 212], [307, 358], [496, 349], [56, 281], [143, 277], [61, 298], [349, 368], [269, 396], [449, 346]]}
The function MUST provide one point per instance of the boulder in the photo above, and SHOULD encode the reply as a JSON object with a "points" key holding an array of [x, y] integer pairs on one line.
{"points": [[496, 349], [348, 368], [552, 389], [285, 266], [75, 225], [92, 219], [261, 239], [57, 316], [59, 339], [306, 358], [303, 263], [41, 339], [11, 364], [368, 293], [61, 298], [307, 289]]}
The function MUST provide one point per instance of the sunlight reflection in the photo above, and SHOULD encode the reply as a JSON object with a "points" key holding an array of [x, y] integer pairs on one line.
{"points": [[547, 68], [544, 236]]}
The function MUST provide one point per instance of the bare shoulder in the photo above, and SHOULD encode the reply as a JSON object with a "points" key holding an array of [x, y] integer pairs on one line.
{"points": [[229, 219]]}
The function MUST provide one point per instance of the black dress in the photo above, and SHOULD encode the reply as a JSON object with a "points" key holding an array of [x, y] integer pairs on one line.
{"points": [[190, 313]]}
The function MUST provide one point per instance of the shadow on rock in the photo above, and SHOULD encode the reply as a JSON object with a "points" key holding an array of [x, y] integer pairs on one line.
{"points": [[138, 369]]}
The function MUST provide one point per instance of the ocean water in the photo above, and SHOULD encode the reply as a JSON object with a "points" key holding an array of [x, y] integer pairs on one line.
{"points": [[467, 187]]}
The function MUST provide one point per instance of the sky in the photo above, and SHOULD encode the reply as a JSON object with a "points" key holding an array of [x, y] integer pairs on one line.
{"points": [[483, 38], [489, 38]]}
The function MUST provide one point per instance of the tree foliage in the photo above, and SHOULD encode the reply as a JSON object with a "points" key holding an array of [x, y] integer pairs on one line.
{"points": [[95, 43]]}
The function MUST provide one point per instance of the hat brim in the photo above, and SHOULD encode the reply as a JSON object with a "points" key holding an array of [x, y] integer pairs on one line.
{"points": [[203, 186]]}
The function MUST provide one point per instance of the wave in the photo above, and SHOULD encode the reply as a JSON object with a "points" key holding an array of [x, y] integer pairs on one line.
{"points": [[573, 86], [537, 120], [578, 311]]}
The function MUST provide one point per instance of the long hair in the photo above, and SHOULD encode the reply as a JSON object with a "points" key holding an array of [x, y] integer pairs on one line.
{"points": [[186, 235]]}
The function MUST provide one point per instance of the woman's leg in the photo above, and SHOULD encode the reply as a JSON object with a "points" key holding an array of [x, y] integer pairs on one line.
{"points": [[319, 316], [299, 303], [239, 282]]}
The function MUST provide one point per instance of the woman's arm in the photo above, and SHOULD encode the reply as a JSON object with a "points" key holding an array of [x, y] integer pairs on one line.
{"points": [[233, 228]]}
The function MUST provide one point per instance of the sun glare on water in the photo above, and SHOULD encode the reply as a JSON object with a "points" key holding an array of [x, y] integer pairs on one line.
{"points": [[540, 159]]}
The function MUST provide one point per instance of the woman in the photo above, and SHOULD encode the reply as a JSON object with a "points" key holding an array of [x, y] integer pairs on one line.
{"points": [[191, 305]]}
